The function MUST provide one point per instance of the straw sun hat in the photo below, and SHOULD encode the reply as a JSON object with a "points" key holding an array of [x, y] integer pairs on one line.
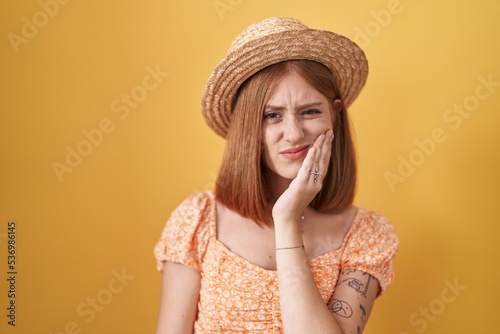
{"points": [[272, 41]]}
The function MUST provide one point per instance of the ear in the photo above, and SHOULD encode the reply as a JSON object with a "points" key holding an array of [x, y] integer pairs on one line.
{"points": [[337, 106]]}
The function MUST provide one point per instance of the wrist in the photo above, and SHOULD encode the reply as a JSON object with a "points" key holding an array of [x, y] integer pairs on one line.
{"points": [[289, 248], [287, 219], [288, 235]]}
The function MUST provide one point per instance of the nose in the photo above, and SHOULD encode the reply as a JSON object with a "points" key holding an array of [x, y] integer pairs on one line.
{"points": [[293, 130]]}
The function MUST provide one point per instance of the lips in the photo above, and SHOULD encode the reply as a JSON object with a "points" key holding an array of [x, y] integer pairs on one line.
{"points": [[295, 152]]}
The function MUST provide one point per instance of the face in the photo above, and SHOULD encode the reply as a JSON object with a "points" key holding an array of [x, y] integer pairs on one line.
{"points": [[295, 115]]}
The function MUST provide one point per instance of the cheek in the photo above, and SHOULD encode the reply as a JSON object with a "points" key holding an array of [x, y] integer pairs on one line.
{"points": [[329, 123], [332, 118], [268, 144], [320, 126], [269, 137]]}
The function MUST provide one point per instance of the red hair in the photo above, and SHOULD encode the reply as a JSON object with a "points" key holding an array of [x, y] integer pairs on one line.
{"points": [[241, 185]]}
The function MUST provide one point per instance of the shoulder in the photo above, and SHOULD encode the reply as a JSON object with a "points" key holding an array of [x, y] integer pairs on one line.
{"points": [[371, 222], [193, 214], [371, 246], [198, 200], [186, 233], [196, 207], [373, 231]]}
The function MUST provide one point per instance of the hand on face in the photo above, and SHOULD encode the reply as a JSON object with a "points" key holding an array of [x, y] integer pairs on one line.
{"points": [[308, 182]]}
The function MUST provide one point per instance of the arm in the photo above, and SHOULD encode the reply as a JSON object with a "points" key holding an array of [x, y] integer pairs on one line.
{"points": [[179, 298], [302, 307], [353, 299]]}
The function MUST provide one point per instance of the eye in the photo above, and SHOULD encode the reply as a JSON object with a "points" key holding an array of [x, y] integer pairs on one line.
{"points": [[311, 112], [271, 115]]}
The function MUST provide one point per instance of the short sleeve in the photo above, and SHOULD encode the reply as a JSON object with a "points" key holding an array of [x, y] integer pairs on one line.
{"points": [[186, 234], [372, 247]]}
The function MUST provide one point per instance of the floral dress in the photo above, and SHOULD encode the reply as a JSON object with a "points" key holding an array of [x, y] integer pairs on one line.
{"points": [[237, 296]]}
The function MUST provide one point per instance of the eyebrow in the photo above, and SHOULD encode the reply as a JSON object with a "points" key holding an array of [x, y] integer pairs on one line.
{"points": [[304, 106]]}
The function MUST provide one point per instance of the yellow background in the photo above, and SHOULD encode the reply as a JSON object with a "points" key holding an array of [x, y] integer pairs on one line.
{"points": [[77, 232]]}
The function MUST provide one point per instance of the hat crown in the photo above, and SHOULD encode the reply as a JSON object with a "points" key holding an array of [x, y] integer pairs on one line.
{"points": [[275, 40], [265, 28]]}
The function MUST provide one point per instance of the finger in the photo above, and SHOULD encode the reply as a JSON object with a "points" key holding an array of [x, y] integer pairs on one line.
{"points": [[326, 151], [320, 143], [320, 150], [320, 166], [307, 165]]}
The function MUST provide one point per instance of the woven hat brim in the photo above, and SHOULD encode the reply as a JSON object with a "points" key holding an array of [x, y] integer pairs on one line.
{"points": [[342, 56]]}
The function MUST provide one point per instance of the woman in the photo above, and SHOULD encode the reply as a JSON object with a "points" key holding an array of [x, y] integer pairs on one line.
{"points": [[278, 247]]}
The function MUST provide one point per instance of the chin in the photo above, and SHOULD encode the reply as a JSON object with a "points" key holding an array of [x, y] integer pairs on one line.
{"points": [[288, 172], [285, 174]]}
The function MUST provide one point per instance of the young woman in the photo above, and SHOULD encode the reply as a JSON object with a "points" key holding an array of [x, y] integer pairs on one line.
{"points": [[278, 247]]}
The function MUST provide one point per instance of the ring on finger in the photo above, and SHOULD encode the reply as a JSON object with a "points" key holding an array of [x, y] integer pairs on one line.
{"points": [[316, 173]]}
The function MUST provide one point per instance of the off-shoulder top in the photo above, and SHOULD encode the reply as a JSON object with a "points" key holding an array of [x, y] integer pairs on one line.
{"points": [[239, 296]]}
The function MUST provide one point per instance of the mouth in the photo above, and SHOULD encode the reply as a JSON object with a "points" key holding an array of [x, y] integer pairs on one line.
{"points": [[295, 152]]}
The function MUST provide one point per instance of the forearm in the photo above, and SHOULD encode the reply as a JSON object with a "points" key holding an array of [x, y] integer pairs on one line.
{"points": [[302, 307]]}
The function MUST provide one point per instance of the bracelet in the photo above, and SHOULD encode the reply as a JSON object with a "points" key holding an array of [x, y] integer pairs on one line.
{"points": [[301, 246]]}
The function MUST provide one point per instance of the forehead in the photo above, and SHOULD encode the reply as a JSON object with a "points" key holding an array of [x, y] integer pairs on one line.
{"points": [[292, 87]]}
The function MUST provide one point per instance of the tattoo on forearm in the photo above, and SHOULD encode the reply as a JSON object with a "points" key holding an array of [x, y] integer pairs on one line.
{"points": [[354, 283], [363, 312], [359, 330], [357, 285], [348, 272], [367, 284], [340, 308]]}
